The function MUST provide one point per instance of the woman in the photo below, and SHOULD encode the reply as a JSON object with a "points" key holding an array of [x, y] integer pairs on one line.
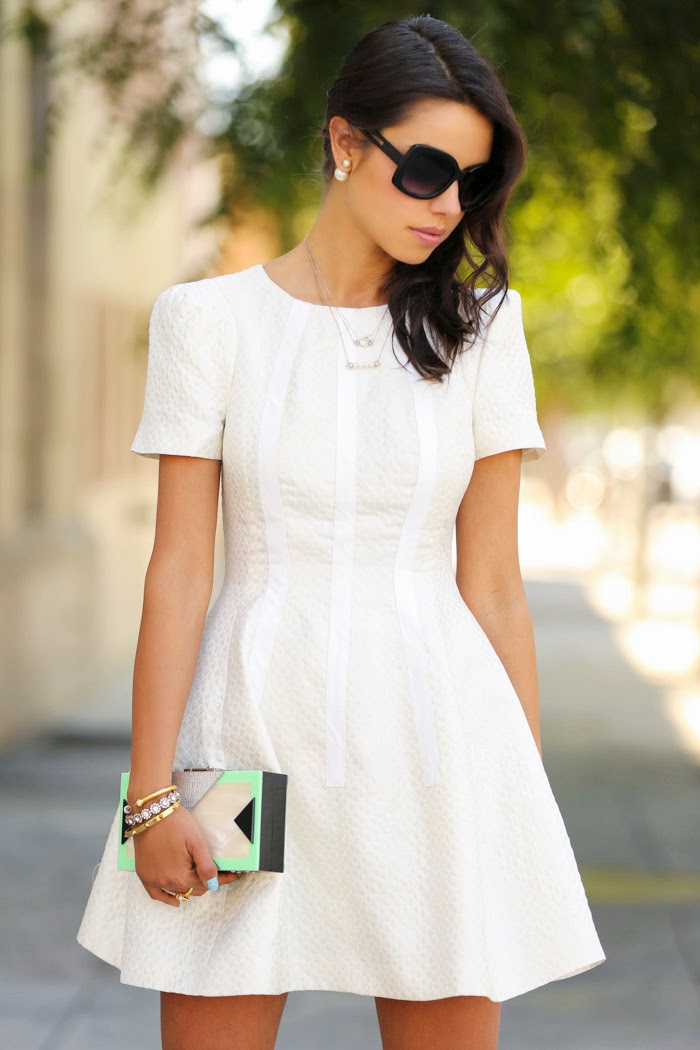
{"points": [[364, 406]]}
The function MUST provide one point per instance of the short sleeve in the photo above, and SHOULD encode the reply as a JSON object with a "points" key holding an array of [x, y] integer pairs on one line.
{"points": [[504, 411], [191, 355]]}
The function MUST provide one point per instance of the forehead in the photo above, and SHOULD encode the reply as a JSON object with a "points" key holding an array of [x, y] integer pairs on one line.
{"points": [[456, 127]]}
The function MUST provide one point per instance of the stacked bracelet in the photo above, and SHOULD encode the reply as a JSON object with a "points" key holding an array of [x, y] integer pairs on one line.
{"points": [[164, 812], [143, 818]]}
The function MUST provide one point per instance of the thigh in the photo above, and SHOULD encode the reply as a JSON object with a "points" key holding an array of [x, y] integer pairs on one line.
{"points": [[460, 1022], [207, 1022]]}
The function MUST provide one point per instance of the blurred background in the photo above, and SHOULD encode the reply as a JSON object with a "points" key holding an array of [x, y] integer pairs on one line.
{"points": [[144, 143]]}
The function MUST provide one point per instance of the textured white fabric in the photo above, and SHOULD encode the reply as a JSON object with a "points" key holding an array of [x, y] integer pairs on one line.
{"points": [[425, 853]]}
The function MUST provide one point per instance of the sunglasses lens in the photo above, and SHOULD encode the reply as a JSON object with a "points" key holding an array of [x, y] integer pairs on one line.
{"points": [[425, 174], [475, 189]]}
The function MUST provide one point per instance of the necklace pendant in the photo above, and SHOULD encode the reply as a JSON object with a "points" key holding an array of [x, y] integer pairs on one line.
{"points": [[362, 364], [364, 341]]}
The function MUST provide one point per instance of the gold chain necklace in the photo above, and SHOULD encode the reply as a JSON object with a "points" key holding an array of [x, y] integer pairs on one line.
{"points": [[362, 341]]}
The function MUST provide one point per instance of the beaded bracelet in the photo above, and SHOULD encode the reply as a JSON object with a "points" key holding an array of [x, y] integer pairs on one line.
{"points": [[135, 819], [153, 820]]}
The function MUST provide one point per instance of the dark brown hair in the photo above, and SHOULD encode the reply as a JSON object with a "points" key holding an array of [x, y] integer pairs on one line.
{"points": [[390, 69]]}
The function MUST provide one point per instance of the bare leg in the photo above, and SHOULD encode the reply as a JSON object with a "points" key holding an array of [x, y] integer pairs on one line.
{"points": [[460, 1022], [204, 1022]]}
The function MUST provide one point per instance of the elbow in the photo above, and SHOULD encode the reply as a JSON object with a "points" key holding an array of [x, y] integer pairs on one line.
{"points": [[190, 581], [503, 600]]}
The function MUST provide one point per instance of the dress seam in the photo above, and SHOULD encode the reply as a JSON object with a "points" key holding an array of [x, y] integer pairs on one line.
{"points": [[405, 587]]}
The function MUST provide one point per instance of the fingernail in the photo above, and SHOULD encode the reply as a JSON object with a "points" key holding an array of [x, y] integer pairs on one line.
{"points": [[213, 884]]}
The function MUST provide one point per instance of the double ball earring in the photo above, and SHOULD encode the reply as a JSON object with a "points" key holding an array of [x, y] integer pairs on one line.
{"points": [[342, 176]]}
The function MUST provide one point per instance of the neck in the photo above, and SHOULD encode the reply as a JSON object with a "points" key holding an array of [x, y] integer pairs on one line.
{"points": [[352, 266]]}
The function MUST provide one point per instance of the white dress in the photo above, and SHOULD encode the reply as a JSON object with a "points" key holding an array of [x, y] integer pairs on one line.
{"points": [[425, 853]]}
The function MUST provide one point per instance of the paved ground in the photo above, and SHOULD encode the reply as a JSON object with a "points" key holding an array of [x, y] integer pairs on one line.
{"points": [[627, 794]]}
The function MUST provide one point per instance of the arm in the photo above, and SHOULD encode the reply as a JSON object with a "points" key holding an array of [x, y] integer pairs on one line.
{"points": [[192, 348], [488, 572], [172, 855], [177, 591]]}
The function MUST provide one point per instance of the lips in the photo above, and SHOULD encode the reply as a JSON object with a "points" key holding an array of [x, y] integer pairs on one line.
{"points": [[430, 235]]}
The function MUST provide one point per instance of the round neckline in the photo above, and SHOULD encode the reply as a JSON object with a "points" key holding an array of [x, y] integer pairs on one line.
{"points": [[317, 306]]}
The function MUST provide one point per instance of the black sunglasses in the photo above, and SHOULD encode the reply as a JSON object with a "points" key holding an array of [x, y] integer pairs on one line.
{"points": [[425, 172]]}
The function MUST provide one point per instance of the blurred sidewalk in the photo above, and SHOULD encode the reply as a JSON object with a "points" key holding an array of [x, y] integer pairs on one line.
{"points": [[627, 790]]}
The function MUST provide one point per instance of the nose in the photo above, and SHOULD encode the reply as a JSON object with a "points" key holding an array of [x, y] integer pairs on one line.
{"points": [[448, 202]]}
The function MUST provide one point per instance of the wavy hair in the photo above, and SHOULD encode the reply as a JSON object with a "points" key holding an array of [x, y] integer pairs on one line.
{"points": [[390, 69]]}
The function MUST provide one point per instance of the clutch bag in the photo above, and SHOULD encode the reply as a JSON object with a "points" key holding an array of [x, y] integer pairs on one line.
{"points": [[240, 812]]}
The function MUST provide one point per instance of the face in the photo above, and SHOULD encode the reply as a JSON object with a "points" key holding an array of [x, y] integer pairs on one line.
{"points": [[390, 218]]}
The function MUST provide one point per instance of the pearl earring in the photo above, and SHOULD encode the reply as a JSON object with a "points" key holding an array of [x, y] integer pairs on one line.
{"points": [[342, 176]]}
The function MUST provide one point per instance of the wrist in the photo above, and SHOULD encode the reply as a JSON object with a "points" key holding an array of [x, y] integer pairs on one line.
{"points": [[142, 787], [142, 820]]}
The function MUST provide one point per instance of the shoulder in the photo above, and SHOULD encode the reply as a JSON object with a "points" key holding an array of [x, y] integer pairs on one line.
{"points": [[193, 328], [505, 304], [499, 320], [208, 300], [499, 341]]}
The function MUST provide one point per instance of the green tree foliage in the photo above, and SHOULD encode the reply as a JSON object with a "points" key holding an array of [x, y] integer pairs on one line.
{"points": [[605, 222]]}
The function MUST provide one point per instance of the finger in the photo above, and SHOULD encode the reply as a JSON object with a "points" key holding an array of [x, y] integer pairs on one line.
{"points": [[179, 892], [225, 878], [156, 893], [207, 871]]}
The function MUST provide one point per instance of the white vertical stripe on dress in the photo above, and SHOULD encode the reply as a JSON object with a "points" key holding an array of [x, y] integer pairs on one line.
{"points": [[271, 499], [404, 577], [341, 567]]}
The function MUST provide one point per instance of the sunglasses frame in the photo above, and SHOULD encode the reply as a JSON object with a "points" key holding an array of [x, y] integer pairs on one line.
{"points": [[402, 159]]}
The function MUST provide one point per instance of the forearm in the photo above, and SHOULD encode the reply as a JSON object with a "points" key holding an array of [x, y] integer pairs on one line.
{"points": [[508, 626], [174, 611]]}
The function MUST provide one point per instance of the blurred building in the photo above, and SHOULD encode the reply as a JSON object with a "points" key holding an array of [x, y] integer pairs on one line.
{"points": [[79, 271]]}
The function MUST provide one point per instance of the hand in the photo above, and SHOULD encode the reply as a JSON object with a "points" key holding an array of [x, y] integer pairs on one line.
{"points": [[173, 855]]}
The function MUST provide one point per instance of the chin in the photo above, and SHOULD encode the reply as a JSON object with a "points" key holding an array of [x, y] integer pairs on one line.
{"points": [[419, 255], [412, 256]]}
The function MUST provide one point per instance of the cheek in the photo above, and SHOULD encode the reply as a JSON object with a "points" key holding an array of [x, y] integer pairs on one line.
{"points": [[380, 209]]}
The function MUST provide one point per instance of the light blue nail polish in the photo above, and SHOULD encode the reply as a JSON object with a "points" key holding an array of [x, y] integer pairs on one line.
{"points": [[213, 884]]}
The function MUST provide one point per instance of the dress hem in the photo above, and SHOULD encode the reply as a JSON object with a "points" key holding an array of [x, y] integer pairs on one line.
{"points": [[348, 988]]}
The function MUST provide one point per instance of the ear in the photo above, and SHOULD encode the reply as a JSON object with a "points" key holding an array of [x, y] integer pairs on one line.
{"points": [[344, 140]]}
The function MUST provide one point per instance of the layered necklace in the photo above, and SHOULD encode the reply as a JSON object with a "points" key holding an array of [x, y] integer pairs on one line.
{"points": [[363, 341]]}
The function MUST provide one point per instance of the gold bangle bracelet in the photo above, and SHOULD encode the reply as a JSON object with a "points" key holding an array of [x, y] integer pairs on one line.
{"points": [[149, 823], [154, 794]]}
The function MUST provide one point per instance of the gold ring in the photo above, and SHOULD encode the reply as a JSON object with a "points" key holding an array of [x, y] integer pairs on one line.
{"points": [[184, 896]]}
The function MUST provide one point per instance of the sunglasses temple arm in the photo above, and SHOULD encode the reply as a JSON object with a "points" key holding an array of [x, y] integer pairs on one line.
{"points": [[378, 139]]}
